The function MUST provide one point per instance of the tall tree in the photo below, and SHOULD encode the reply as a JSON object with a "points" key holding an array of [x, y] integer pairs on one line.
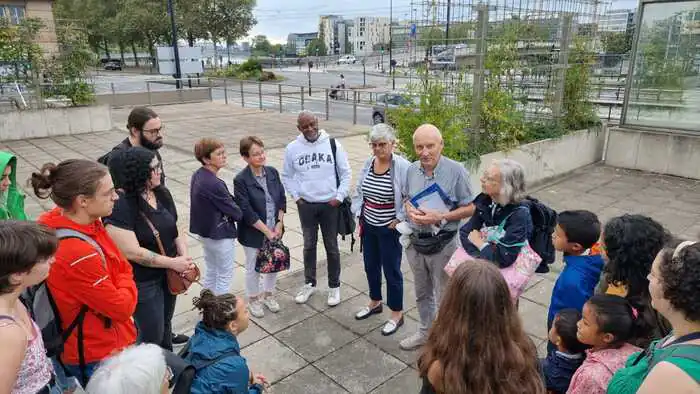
{"points": [[228, 20]]}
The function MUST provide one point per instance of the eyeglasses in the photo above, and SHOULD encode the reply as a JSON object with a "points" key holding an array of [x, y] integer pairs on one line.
{"points": [[378, 145], [158, 131]]}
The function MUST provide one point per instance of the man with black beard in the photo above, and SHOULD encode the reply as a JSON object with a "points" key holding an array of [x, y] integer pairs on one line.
{"points": [[145, 130]]}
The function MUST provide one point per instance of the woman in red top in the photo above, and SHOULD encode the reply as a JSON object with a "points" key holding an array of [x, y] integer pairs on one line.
{"points": [[83, 275]]}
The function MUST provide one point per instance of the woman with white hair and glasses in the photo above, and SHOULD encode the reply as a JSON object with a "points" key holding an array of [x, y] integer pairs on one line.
{"points": [[500, 205], [139, 369], [378, 203]]}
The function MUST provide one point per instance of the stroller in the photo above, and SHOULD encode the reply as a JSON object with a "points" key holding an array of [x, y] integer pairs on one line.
{"points": [[334, 92]]}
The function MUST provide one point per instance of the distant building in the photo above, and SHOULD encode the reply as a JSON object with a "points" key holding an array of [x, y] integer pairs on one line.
{"points": [[244, 46], [334, 30], [16, 11], [367, 32], [617, 21], [297, 43]]}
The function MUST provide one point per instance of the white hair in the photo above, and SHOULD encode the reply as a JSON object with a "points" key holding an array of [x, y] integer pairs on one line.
{"points": [[382, 132], [512, 181], [138, 369]]}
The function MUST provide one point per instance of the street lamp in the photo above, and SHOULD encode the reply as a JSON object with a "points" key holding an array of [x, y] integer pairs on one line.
{"points": [[176, 51], [391, 45]]}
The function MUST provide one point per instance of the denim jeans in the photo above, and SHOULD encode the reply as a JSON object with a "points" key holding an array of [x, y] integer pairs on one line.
{"points": [[381, 250], [74, 370], [154, 313], [313, 215]]}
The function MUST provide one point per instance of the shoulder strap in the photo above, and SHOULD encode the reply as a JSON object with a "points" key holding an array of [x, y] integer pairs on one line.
{"points": [[63, 233], [683, 351], [335, 162], [502, 225], [216, 360], [155, 232]]}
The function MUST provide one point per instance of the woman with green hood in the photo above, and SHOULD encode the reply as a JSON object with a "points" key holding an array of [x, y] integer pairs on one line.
{"points": [[11, 197]]}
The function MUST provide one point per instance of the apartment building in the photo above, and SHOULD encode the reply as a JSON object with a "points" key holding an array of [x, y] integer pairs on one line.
{"points": [[367, 32], [297, 43], [617, 21], [17, 10]]}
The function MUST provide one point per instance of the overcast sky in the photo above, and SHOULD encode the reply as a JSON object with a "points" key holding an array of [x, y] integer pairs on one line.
{"points": [[278, 18]]}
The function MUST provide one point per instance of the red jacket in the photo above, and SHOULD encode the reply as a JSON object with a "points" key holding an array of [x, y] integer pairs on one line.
{"points": [[78, 277]]}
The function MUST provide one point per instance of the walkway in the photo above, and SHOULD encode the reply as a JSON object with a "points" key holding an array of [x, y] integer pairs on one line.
{"points": [[312, 348]]}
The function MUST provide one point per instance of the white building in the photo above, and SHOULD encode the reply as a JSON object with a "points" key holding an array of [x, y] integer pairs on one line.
{"points": [[367, 32], [617, 21]]}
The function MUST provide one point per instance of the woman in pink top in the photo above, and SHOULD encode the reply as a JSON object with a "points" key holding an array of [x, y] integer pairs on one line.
{"points": [[26, 252], [608, 324]]}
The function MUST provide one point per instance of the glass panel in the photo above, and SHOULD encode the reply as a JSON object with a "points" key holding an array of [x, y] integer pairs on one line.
{"points": [[665, 86]]}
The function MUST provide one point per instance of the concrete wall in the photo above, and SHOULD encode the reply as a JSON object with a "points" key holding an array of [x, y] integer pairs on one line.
{"points": [[152, 98], [52, 122], [663, 152], [550, 158]]}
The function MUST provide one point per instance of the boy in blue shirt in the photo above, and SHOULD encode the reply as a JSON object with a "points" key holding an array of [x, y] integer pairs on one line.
{"points": [[560, 365], [576, 235]]}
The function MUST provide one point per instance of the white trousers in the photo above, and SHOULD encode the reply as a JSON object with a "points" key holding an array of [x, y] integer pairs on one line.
{"points": [[219, 257], [252, 278]]}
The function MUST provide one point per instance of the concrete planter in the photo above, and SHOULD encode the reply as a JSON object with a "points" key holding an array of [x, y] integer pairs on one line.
{"points": [[550, 158], [52, 122]]}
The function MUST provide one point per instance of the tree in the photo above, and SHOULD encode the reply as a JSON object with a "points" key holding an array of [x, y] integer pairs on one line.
{"points": [[228, 20], [68, 69], [18, 48], [261, 45], [618, 43], [317, 47], [380, 47]]}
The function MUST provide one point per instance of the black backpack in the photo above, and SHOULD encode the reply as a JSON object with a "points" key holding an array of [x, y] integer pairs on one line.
{"points": [[184, 373], [42, 308], [346, 220], [544, 219]]}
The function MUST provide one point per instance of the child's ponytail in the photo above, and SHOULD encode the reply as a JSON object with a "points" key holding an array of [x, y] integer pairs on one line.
{"points": [[616, 316], [217, 310]]}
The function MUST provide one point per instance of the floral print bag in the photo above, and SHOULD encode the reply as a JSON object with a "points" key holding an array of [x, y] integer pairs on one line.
{"points": [[272, 257], [519, 273]]}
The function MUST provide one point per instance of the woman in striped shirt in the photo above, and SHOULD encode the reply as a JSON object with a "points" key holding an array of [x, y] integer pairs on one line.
{"points": [[378, 203]]}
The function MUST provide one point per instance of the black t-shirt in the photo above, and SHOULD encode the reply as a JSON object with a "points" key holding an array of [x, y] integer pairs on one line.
{"points": [[125, 215]]}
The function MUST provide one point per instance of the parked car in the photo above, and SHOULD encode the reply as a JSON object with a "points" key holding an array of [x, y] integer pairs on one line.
{"points": [[113, 65], [347, 59], [390, 100]]}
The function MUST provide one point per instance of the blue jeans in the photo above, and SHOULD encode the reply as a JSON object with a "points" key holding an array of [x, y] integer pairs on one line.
{"points": [[74, 370], [381, 250], [154, 313]]}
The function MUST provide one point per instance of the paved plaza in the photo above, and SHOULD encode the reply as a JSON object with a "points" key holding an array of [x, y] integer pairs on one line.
{"points": [[313, 348]]}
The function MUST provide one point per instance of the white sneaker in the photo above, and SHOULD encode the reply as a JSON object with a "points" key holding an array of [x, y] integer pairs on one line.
{"points": [[256, 308], [304, 293], [334, 296], [413, 342], [271, 304]]}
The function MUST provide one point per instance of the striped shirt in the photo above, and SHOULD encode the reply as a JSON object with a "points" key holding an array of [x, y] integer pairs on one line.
{"points": [[378, 192]]}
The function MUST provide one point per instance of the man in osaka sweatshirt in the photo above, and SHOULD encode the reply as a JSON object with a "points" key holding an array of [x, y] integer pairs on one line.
{"points": [[309, 176]]}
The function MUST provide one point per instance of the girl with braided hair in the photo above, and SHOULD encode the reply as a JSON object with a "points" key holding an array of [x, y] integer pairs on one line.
{"points": [[214, 350]]}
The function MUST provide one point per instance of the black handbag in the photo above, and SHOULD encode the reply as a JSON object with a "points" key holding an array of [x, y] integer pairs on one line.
{"points": [[430, 245], [346, 220]]}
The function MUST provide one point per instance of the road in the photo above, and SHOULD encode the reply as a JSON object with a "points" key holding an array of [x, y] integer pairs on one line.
{"points": [[267, 95]]}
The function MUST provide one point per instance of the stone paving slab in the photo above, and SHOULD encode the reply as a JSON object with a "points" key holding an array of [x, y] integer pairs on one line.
{"points": [[316, 349]]}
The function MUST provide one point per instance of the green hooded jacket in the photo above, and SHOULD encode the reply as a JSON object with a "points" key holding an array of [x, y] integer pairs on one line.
{"points": [[12, 205]]}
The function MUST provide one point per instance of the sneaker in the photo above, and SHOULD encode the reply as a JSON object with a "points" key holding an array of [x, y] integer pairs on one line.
{"points": [[334, 296], [256, 308], [179, 339], [413, 342], [304, 293], [271, 304]]}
